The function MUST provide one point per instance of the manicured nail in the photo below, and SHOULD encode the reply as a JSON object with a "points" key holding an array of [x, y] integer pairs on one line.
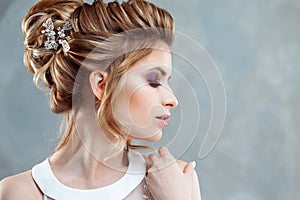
{"points": [[194, 164]]}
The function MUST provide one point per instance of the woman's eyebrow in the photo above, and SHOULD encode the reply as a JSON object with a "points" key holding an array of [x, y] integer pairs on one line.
{"points": [[162, 71]]}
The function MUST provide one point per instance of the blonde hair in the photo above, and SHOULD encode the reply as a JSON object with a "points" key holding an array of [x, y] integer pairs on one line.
{"points": [[93, 25]]}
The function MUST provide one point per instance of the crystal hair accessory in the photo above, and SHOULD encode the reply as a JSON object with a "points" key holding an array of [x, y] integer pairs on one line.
{"points": [[55, 38]]}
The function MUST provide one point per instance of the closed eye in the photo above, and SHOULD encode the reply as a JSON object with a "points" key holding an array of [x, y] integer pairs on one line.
{"points": [[154, 84]]}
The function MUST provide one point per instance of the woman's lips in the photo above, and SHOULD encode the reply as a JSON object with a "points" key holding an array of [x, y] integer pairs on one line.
{"points": [[162, 119], [163, 122]]}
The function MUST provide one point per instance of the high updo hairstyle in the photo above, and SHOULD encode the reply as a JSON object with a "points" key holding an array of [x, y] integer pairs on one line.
{"points": [[92, 26]]}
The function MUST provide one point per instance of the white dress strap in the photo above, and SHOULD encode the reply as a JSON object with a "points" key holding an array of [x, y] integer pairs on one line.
{"points": [[53, 189]]}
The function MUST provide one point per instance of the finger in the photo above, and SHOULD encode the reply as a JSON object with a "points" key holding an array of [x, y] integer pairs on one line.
{"points": [[181, 164], [148, 162], [164, 152], [189, 169], [153, 157]]}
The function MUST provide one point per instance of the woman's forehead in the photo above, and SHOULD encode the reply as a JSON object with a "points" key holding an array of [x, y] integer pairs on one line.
{"points": [[158, 58]]}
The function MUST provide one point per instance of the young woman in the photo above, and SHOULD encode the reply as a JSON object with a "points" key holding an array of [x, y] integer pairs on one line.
{"points": [[107, 68]]}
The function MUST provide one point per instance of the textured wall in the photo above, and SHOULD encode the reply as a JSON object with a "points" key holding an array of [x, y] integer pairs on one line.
{"points": [[255, 45]]}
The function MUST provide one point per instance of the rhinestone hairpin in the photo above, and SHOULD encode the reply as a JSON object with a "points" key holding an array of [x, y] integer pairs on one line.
{"points": [[52, 41]]}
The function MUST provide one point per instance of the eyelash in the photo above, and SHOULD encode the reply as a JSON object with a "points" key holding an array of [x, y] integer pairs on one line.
{"points": [[154, 84]]}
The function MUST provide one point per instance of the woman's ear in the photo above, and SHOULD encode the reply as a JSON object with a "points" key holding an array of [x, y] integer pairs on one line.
{"points": [[97, 80]]}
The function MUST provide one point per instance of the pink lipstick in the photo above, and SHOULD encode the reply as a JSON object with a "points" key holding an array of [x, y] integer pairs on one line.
{"points": [[162, 119]]}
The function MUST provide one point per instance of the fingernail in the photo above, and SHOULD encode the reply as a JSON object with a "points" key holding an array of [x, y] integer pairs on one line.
{"points": [[194, 164]]}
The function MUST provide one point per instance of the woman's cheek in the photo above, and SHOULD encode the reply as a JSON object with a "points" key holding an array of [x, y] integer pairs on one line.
{"points": [[141, 104]]}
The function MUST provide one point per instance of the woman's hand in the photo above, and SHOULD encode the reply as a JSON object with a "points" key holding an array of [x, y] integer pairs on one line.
{"points": [[171, 179]]}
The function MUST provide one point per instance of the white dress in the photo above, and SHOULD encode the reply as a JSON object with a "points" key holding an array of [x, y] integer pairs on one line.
{"points": [[130, 186]]}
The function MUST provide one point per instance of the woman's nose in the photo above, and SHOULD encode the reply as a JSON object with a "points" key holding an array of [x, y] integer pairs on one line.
{"points": [[169, 98]]}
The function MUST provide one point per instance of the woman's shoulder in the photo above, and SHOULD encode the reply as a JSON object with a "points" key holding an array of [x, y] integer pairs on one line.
{"points": [[20, 186]]}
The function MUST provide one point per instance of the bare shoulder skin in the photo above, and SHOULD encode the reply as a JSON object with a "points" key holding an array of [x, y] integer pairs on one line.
{"points": [[20, 186]]}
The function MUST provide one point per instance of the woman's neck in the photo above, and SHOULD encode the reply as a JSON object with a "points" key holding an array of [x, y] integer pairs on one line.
{"points": [[75, 167]]}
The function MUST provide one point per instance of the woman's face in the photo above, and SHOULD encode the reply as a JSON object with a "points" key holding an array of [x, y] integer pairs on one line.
{"points": [[146, 98]]}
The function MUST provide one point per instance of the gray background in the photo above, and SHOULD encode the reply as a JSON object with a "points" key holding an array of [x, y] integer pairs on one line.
{"points": [[255, 45]]}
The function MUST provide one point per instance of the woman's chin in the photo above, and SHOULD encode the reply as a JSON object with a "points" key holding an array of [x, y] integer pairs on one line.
{"points": [[155, 137], [152, 138]]}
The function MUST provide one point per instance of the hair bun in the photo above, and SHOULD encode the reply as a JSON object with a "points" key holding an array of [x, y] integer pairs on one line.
{"points": [[37, 58]]}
